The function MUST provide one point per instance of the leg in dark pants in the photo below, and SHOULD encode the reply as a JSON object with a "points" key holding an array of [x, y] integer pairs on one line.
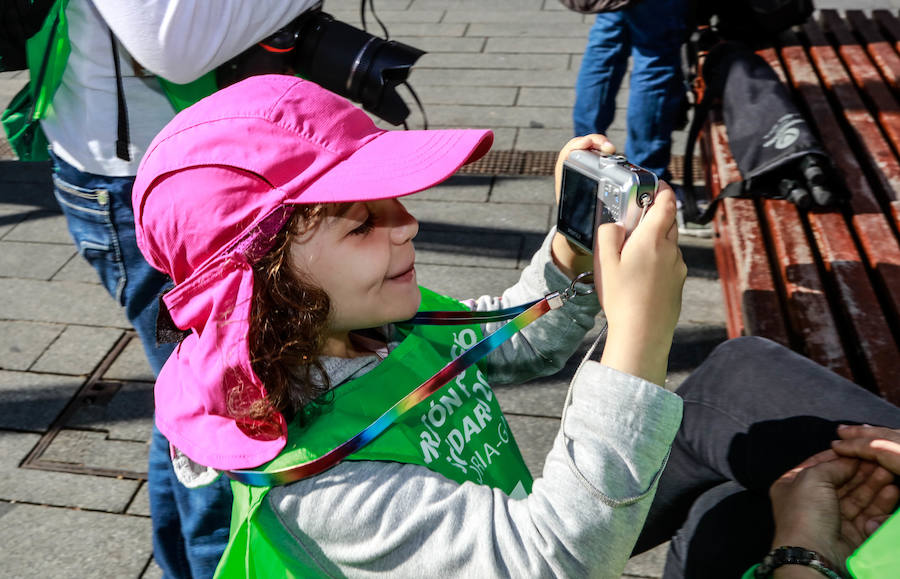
{"points": [[752, 411]]}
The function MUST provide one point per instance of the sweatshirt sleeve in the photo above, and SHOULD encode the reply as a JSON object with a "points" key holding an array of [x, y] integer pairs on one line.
{"points": [[181, 40], [582, 518], [543, 347]]}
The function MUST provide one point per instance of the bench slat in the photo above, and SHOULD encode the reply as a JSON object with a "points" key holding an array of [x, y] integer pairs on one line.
{"points": [[722, 249], [869, 81], [889, 24], [755, 291], [881, 51]]}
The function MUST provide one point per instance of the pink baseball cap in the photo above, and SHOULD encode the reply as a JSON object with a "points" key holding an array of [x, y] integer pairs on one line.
{"points": [[213, 190]]}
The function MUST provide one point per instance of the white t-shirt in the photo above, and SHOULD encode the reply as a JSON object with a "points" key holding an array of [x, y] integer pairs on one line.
{"points": [[175, 39]]}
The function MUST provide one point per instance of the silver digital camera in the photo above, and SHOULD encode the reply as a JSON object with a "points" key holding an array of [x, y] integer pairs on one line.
{"points": [[598, 188]]}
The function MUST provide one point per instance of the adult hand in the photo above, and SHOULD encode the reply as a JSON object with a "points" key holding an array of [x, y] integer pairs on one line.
{"points": [[569, 259], [827, 502], [874, 443], [640, 283]]}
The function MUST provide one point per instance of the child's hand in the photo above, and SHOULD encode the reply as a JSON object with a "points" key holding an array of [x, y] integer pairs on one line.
{"points": [[570, 259], [587, 142], [640, 286]]}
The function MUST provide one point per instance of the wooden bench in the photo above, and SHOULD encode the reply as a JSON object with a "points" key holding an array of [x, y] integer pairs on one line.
{"points": [[824, 282]]}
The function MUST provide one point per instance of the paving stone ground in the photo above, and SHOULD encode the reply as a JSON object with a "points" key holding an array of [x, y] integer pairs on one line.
{"points": [[75, 390]]}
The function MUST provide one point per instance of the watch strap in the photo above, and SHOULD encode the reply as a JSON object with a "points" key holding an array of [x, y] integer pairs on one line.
{"points": [[789, 555]]}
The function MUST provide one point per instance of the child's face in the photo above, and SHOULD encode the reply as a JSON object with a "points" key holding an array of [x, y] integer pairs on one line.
{"points": [[362, 255]]}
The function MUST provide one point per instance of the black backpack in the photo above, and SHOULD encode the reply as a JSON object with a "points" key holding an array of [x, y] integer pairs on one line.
{"points": [[728, 32], [19, 21], [751, 21], [777, 152]]}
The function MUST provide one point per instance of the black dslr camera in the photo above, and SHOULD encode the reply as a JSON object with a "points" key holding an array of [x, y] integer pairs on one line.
{"points": [[343, 59]]}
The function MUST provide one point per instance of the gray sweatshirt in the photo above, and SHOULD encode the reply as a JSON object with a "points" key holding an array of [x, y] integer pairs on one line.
{"points": [[368, 518]]}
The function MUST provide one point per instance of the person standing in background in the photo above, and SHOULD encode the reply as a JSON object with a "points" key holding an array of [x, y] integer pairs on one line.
{"points": [[651, 32], [107, 105]]}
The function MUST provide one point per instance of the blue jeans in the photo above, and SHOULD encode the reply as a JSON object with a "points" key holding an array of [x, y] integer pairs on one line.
{"points": [[190, 527], [651, 31]]}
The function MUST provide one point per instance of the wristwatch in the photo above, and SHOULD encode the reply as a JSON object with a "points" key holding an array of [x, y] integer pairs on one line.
{"points": [[787, 555]]}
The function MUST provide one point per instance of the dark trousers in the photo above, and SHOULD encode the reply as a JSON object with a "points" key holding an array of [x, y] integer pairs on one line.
{"points": [[752, 411]]}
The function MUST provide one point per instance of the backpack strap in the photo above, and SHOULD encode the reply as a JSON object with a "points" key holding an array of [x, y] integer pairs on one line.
{"points": [[689, 203], [122, 132], [736, 189]]}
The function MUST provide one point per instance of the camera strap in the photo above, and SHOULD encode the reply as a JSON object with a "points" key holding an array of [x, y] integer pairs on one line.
{"points": [[521, 317]]}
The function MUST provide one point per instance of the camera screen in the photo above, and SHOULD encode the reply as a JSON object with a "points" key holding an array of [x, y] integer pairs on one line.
{"points": [[577, 207]]}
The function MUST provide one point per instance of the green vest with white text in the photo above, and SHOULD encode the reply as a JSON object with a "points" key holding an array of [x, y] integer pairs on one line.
{"points": [[459, 432]]}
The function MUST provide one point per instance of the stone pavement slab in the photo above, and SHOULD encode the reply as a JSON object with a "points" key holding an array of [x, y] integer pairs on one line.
{"points": [[21, 343], [96, 449], [43, 227], [125, 416], [58, 489], [469, 188], [77, 350], [82, 544], [522, 190], [32, 260], [495, 250], [30, 401], [26, 299], [464, 283], [130, 365], [76, 269], [511, 218]]}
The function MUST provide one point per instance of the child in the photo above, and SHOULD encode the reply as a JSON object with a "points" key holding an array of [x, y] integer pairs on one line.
{"points": [[273, 206]]}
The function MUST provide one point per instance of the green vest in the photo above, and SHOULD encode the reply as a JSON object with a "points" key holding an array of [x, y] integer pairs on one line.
{"points": [[459, 432], [47, 53], [877, 558]]}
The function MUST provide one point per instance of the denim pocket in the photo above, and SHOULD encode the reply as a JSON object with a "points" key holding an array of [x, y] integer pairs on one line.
{"points": [[87, 214]]}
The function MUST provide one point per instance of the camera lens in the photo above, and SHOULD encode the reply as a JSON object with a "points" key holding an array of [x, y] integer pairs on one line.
{"points": [[355, 64]]}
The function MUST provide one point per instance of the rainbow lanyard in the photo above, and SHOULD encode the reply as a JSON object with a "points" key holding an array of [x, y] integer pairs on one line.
{"points": [[521, 317]]}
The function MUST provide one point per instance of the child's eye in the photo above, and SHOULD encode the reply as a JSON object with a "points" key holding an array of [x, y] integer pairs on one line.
{"points": [[366, 226]]}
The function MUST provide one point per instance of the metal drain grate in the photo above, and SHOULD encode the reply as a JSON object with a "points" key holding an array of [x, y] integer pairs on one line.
{"points": [[541, 163], [71, 436], [513, 163]]}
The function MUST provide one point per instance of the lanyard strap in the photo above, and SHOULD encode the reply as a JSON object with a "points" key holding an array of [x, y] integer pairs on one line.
{"points": [[452, 318], [531, 312]]}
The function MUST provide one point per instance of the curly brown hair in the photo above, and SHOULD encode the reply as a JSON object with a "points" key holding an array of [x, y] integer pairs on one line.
{"points": [[287, 324]]}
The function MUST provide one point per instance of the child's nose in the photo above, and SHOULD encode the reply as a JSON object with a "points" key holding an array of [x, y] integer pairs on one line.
{"points": [[403, 225]]}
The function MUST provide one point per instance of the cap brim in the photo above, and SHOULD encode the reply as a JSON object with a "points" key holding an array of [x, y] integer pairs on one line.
{"points": [[396, 163]]}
